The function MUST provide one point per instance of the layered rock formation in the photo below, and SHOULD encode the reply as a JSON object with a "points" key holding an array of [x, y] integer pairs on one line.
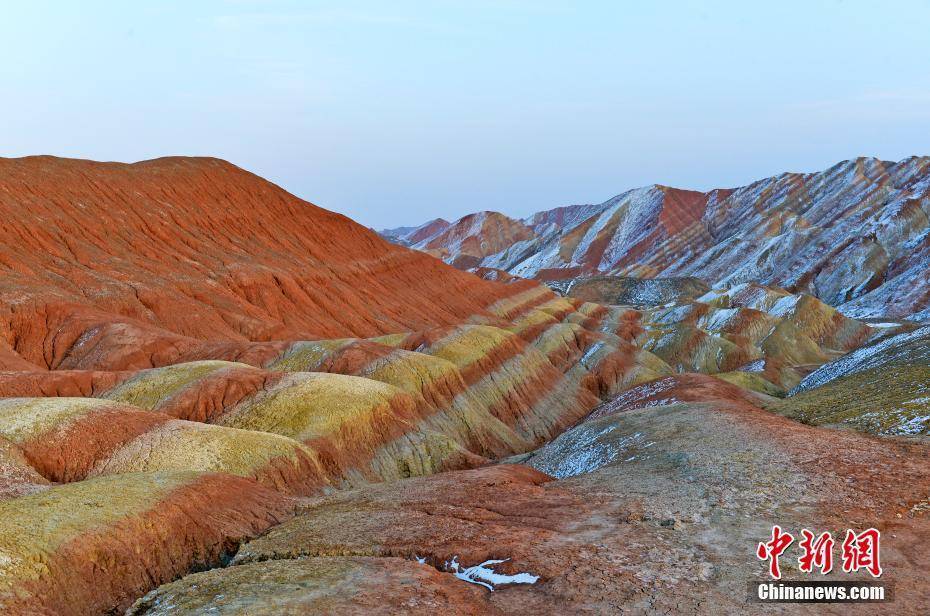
{"points": [[630, 291], [132, 266], [655, 509], [182, 323], [856, 236], [216, 397]]}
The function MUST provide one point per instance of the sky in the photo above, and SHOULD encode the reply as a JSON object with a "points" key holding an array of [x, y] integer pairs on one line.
{"points": [[397, 112]]}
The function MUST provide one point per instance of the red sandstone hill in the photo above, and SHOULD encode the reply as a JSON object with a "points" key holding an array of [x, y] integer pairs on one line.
{"points": [[160, 252]]}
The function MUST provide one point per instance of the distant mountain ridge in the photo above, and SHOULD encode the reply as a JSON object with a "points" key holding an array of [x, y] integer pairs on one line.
{"points": [[856, 235]]}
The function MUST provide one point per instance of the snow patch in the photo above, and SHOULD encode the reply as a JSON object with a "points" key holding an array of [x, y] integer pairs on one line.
{"points": [[583, 450], [754, 366], [597, 346], [915, 425], [784, 306], [484, 575]]}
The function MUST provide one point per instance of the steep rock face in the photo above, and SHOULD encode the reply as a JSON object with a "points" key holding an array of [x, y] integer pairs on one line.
{"points": [[156, 255], [856, 235]]}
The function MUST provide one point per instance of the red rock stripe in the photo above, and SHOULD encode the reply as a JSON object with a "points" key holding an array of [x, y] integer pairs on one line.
{"points": [[195, 526], [68, 453], [207, 399], [59, 383]]}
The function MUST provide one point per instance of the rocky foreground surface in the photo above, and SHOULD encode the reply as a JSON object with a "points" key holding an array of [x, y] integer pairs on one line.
{"points": [[217, 398]]}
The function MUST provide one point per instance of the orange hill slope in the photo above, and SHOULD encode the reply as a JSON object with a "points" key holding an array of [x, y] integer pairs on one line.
{"points": [[163, 251]]}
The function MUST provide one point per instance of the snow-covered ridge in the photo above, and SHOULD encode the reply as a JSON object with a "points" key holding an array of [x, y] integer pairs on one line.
{"points": [[856, 236], [905, 348]]}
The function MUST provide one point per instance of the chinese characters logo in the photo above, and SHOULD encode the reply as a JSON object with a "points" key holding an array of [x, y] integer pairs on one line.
{"points": [[859, 551]]}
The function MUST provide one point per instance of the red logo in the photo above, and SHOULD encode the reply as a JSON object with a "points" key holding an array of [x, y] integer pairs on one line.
{"points": [[817, 552], [860, 551], [774, 548]]}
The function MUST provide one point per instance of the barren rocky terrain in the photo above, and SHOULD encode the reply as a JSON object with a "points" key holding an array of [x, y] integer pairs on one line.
{"points": [[218, 398]]}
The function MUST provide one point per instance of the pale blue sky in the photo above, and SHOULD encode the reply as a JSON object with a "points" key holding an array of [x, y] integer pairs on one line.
{"points": [[397, 112]]}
